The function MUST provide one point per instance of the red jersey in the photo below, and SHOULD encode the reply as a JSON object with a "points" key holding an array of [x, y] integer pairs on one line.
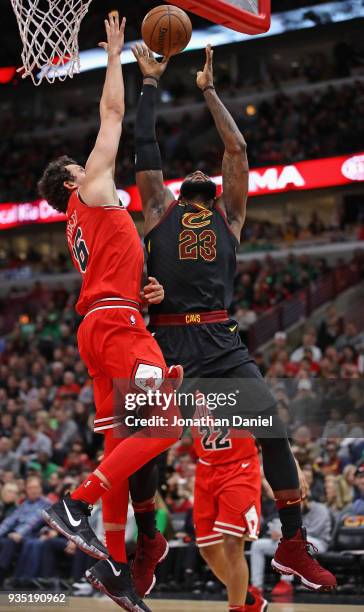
{"points": [[106, 249], [215, 444], [219, 445]]}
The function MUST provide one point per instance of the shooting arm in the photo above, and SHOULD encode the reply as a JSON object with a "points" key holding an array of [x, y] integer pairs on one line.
{"points": [[235, 167], [100, 167], [155, 197], [149, 176]]}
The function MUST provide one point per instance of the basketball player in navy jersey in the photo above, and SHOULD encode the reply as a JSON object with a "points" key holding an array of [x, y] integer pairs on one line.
{"points": [[191, 245]]}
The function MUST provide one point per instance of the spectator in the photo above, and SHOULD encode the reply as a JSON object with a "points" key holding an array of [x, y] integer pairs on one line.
{"points": [[279, 345], [351, 338], [306, 406], [77, 461], [304, 448], [330, 462], [245, 317], [43, 466], [70, 389], [335, 428], [8, 459], [346, 484], [357, 506], [32, 443], [316, 225], [21, 524], [9, 498], [333, 498], [66, 433], [315, 483], [330, 328], [309, 342]]}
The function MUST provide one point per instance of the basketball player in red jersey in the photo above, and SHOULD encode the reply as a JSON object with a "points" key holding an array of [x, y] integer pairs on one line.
{"points": [[113, 340], [191, 245], [227, 506]]}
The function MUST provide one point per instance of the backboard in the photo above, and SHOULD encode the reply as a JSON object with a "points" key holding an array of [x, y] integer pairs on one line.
{"points": [[249, 16]]}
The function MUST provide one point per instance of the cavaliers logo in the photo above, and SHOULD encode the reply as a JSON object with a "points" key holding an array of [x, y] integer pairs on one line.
{"points": [[197, 219]]}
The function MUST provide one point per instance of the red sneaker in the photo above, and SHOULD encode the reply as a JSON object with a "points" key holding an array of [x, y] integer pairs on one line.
{"points": [[149, 553], [260, 604], [293, 557], [283, 588]]}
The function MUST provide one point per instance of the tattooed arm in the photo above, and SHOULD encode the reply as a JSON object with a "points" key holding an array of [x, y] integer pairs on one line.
{"points": [[235, 167], [154, 195]]}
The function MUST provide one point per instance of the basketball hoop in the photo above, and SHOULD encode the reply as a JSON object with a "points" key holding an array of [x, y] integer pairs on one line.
{"points": [[49, 34], [248, 16]]}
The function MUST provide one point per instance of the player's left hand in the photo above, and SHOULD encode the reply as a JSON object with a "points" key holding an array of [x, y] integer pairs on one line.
{"points": [[205, 77], [148, 63], [153, 292]]}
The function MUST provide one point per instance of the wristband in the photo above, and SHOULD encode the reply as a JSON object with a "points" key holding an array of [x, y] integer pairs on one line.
{"points": [[207, 88], [151, 77]]}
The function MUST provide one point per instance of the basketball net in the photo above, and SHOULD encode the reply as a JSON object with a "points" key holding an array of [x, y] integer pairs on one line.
{"points": [[50, 37]]}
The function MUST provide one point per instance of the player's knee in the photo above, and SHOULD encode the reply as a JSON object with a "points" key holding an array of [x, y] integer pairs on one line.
{"points": [[207, 553], [233, 546]]}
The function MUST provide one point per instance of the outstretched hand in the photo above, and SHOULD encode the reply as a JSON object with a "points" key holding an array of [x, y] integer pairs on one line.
{"points": [[115, 33], [205, 77], [147, 62]]}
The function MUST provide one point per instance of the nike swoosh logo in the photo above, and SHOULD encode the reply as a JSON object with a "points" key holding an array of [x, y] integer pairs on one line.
{"points": [[295, 501], [233, 329], [245, 465], [70, 517], [113, 569]]}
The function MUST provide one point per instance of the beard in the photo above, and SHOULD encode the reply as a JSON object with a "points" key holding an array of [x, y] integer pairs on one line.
{"points": [[206, 190]]}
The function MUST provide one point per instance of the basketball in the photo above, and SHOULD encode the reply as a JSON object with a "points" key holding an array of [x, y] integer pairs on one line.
{"points": [[167, 30]]}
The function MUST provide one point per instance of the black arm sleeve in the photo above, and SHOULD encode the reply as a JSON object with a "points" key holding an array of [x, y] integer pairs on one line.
{"points": [[148, 156]]}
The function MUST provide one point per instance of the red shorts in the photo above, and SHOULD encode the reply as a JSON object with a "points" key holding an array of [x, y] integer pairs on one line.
{"points": [[116, 346], [227, 500]]}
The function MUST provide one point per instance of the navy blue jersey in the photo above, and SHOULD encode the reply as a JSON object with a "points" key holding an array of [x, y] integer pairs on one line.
{"points": [[192, 253]]}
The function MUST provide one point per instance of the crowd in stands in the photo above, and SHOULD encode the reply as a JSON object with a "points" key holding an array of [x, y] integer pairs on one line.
{"points": [[260, 284], [256, 236], [279, 130], [47, 444], [32, 262], [265, 235], [278, 68]]}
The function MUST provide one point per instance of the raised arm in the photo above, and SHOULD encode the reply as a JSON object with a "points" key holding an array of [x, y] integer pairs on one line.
{"points": [[235, 167], [149, 176], [98, 187]]}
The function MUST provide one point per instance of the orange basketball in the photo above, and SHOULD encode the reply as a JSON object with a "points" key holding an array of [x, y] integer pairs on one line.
{"points": [[167, 30]]}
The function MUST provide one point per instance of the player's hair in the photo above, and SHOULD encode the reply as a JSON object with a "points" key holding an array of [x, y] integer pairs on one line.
{"points": [[51, 187]]}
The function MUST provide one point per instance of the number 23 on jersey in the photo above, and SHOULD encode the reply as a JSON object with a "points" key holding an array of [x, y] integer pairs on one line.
{"points": [[193, 245]]}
